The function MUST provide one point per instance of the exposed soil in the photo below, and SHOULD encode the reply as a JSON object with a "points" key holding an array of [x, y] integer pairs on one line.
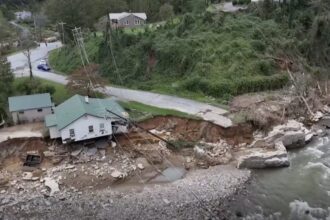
{"points": [[196, 130], [139, 156]]}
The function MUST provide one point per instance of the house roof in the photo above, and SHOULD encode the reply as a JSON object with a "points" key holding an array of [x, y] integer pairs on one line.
{"points": [[118, 16], [27, 102], [76, 107]]}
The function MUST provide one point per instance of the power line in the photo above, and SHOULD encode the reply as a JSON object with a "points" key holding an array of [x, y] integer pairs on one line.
{"points": [[84, 58], [109, 41]]}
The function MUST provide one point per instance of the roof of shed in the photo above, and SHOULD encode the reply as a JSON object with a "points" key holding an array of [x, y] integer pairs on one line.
{"points": [[27, 102]]}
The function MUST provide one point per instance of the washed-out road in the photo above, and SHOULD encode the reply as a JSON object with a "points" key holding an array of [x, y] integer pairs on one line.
{"points": [[207, 112]]}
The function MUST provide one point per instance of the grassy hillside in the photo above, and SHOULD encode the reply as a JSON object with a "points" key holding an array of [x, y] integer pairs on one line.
{"points": [[209, 55], [65, 60]]}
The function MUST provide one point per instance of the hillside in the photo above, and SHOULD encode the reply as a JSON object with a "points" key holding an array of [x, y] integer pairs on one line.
{"points": [[205, 55]]}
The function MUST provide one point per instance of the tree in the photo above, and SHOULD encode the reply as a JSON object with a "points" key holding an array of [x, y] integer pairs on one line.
{"points": [[40, 21], [84, 80], [26, 43], [166, 11], [33, 86], [6, 82]]}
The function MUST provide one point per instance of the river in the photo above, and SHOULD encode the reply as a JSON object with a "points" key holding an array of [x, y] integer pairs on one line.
{"points": [[301, 191]]}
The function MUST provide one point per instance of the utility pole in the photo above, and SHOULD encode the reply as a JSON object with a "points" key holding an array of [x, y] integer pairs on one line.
{"points": [[109, 41], [62, 25], [79, 40]]}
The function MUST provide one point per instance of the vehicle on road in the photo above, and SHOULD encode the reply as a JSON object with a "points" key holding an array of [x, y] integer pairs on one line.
{"points": [[43, 67]]}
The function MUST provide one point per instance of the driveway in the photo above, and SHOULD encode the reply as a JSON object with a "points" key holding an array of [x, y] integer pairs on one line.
{"points": [[21, 131], [207, 112]]}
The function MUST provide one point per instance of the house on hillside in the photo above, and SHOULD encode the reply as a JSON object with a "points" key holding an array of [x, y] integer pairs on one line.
{"points": [[82, 118], [30, 108], [23, 16], [125, 19]]}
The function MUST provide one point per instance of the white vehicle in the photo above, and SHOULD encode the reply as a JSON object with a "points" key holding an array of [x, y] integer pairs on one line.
{"points": [[42, 62]]}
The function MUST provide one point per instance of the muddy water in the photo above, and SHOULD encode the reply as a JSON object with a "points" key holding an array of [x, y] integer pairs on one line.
{"points": [[170, 174], [301, 191]]}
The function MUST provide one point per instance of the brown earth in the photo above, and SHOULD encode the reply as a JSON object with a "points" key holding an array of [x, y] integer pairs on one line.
{"points": [[196, 130]]}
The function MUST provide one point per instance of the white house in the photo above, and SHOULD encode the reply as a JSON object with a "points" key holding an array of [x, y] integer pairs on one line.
{"points": [[82, 118], [23, 16], [30, 108]]}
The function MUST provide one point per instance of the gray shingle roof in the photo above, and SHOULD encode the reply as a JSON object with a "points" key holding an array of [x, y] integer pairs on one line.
{"points": [[27, 102]]}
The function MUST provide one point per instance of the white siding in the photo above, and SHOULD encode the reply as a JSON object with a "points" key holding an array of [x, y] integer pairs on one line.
{"points": [[31, 115], [54, 132], [81, 125]]}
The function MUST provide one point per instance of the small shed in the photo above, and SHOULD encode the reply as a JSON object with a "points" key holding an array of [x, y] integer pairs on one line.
{"points": [[30, 108]]}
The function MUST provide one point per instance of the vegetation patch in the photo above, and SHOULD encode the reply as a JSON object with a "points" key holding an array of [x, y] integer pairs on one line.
{"points": [[26, 86], [139, 112]]}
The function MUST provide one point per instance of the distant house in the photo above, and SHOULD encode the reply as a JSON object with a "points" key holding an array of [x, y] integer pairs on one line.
{"points": [[82, 118], [125, 19], [30, 108], [23, 16]]}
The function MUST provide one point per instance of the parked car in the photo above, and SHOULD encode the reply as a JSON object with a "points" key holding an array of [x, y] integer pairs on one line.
{"points": [[43, 67]]}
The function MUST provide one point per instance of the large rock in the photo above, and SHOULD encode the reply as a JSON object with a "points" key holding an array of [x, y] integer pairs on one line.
{"points": [[261, 158], [325, 121], [293, 134], [52, 185], [293, 139]]}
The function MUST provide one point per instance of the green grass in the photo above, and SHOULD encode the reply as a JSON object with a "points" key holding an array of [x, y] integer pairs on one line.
{"points": [[209, 58], [140, 112], [61, 93]]}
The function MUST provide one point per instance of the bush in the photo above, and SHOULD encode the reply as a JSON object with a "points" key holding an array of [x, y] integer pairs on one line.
{"points": [[33, 86]]}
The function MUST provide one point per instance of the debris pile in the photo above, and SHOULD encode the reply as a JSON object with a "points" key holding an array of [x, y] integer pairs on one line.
{"points": [[212, 154]]}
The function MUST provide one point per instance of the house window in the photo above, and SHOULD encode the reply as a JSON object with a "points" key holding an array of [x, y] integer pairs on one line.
{"points": [[91, 129], [102, 127], [126, 22], [72, 134], [40, 110], [137, 22], [21, 113]]}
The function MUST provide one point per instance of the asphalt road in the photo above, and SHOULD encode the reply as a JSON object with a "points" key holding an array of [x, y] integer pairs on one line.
{"points": [[207, 112]]}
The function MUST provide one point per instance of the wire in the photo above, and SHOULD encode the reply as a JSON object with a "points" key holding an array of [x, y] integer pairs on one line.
{"points": [[170, 163]]}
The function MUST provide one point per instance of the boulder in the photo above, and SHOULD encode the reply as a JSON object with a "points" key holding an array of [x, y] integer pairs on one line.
{"points": [[199, 152], [142, 161], [293, 134], [325, 121], [259, 158], [27, 176], [52, 185], [140, 166], [49, 154], [293, 139], [117, 174]]}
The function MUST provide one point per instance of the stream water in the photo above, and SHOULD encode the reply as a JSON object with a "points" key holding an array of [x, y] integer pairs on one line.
{"points": [[301, 191]]}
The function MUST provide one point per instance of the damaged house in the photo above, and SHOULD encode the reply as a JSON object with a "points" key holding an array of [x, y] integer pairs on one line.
{"points": [[82, 118]]}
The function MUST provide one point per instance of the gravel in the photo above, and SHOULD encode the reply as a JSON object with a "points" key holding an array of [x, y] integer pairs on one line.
{"points": [[202, 194]]}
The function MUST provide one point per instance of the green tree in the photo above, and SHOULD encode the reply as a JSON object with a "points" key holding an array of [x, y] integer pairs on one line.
{"points": [[166, 11], [6, 82]]}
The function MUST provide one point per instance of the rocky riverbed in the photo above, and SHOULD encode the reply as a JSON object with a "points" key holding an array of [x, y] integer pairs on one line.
{"points": [[202, 194]]}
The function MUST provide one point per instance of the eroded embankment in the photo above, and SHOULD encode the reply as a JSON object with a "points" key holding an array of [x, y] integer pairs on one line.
{"points": [[197, 130]]}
